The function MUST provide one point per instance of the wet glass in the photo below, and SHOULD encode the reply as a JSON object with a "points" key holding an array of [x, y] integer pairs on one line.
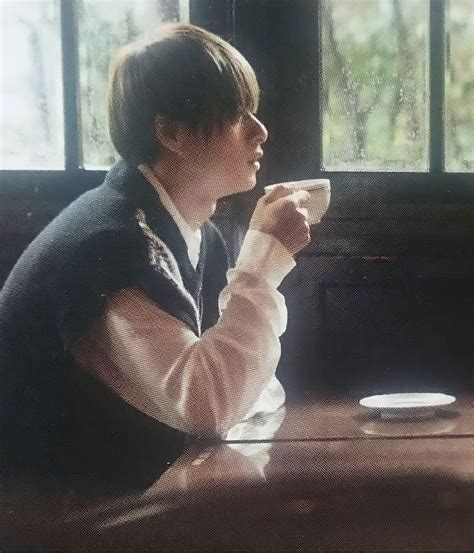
{"points": [[105, 26], [374, 89], [459, 98], [31, 93]]}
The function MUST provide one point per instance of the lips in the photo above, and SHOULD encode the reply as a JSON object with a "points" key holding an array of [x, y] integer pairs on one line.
{"points": [[258, 156]]}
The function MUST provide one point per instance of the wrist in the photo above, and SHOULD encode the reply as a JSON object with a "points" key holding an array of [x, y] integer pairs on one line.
{"points": [[264, 255]]}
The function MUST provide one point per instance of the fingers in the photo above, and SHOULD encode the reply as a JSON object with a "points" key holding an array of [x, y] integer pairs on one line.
{"points": [[283, 213], [279, 191], [297, 223], [299, 198], [303, 212], [295, 204], [305, 235]]}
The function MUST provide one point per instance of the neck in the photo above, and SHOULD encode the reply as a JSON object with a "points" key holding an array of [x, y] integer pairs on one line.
{"points": [[187, 194]]}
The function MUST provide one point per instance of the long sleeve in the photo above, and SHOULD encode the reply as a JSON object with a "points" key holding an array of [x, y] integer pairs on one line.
{"points": [[200, 385]]}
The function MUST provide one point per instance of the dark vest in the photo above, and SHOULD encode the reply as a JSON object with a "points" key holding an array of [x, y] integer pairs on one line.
{"points": [[57, 422]]}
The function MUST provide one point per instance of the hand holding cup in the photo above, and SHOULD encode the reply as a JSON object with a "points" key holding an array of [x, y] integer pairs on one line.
{"points": [[319, 192], [282, 212]]}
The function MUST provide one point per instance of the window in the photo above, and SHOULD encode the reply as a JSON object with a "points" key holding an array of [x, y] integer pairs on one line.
{"points": [[33, 126], [103, 27], [395, 80], [459, 121], [31, 98], [375, 85]]}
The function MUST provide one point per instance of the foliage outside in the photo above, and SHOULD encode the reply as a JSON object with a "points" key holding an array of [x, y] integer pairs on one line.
{"points": [[374, 91]]}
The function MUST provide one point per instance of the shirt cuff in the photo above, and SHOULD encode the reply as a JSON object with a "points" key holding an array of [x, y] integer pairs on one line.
{"points": [[264, 255]]}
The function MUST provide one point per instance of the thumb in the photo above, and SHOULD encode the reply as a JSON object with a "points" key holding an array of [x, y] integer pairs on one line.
{"points": [[276, 192]]}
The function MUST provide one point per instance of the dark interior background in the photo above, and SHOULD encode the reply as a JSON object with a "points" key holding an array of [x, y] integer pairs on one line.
{"points": [[382, 299]]}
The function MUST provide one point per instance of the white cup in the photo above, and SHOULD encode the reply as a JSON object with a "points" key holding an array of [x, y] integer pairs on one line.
{"points": [[319, 196]]}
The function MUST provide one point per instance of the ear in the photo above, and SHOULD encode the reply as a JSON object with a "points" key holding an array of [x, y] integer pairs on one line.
{"points": [[171, 134]]}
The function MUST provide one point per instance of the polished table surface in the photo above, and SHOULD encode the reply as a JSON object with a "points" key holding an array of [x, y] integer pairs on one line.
{"points": [[319, 474], [387, 494], [315, 418]]}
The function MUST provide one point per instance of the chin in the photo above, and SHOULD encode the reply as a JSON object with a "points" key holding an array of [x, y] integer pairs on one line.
{"points": [[243, 186], [243, 183], [246, 188], [251, 181], [251, 184]]}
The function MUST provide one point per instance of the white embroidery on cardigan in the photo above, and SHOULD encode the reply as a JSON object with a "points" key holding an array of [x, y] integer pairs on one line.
{"points": [[161, 256]]}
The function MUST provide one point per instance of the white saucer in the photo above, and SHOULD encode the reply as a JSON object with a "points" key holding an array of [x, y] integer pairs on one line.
{"points": [[392, 406]]}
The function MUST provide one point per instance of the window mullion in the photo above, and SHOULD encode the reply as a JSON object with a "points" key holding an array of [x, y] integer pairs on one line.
{"points": [[70, 66], [437, 85]]}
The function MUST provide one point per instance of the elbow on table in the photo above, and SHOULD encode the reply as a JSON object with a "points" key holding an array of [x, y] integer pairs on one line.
{"points": [[210, 418], [213, 398], [207, 425]]}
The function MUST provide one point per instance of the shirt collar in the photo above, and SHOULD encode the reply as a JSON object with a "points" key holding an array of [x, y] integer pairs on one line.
{"points": [[191, 237]]}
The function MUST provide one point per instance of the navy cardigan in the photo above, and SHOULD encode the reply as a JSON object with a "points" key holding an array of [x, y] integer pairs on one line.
{"points": [[58, 424]]}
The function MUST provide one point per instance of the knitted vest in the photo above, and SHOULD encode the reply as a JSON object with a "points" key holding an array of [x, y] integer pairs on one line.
{"points": [[56, 420]]}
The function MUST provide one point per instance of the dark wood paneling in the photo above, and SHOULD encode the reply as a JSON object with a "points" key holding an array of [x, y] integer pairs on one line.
{"points": [[403, 336], [376, 324]]}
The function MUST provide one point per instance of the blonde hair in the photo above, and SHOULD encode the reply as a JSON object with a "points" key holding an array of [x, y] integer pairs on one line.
{"points": [[183, 73]]}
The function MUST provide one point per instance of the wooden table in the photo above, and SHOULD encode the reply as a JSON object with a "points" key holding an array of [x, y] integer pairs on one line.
{"points": [[322, 418], [314, 476]]}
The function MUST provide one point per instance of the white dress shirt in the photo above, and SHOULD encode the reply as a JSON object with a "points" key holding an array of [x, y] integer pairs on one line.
{"points": [[206, 384], [191, 237]]}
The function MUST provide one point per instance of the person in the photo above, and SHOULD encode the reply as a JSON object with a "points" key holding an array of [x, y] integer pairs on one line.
{"points": [[122, 328]]}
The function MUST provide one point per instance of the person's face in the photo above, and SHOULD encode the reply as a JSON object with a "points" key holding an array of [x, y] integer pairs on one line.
{"points": [[228, 161]]}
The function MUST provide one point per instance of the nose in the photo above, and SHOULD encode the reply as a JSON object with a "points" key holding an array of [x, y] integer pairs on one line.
{"points": [[259, 131]]}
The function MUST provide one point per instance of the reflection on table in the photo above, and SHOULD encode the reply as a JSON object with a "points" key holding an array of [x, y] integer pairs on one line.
{"points": [[321, 473], [351, 494], [321, 418]]}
